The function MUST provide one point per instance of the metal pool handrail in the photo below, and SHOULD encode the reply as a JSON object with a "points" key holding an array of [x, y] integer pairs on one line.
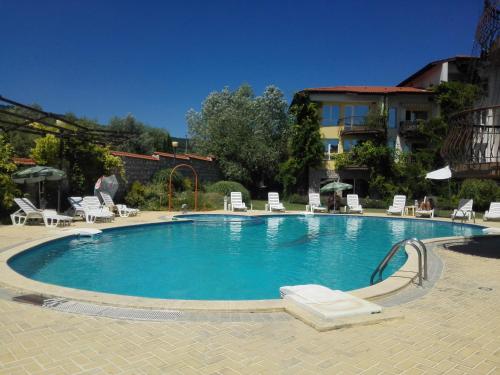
{"points": [[421, 249]]}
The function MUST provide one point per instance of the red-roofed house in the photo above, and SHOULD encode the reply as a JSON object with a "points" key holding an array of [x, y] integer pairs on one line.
{"points": [[345, 122]]}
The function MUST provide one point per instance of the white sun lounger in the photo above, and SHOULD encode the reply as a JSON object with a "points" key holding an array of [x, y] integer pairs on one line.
{"points": [[52, 219], [464, 210], [493, 213], [89, 209], [353, 204], [398, 205], [273, 202], [122, 209], [237, 202], [27, 211], [99, 211], [315, 203], [421, 212]]}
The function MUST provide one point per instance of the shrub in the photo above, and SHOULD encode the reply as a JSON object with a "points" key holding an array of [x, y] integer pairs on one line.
{"points": [[373, 203], [162, 178], [8, 189], [482, 191], [299, 199], [226, 187], [136, 197]]}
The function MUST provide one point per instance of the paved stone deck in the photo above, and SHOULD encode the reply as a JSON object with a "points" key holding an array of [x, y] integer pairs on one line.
{"points": [[453, 329]]}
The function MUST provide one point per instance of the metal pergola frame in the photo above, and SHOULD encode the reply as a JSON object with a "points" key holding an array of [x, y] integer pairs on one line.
{"points": [[25, 121]]}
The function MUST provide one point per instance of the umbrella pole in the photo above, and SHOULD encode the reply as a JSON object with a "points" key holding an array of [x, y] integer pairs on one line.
{"points": [[59, 197]]}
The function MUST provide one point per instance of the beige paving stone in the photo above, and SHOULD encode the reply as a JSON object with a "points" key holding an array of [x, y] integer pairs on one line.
{"points": [[454, 329]]}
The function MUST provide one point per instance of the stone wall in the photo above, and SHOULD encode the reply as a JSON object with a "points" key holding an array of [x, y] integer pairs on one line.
{"points": [[143, 167]]}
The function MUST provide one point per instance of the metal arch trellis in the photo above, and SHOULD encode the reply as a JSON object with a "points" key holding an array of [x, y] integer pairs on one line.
{"points": [[170, 190]]}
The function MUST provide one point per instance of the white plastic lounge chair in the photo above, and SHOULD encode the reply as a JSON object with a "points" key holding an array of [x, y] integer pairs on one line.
{"points": [[273, 202], [237, 201], [122, 209], [99, 211], [353, 204], [29, 211], [52, 219], [464, 210], [89, 210], [315, 203], [398, 205], [76, 206], [493, 213], [26, 212], [420, 212]]}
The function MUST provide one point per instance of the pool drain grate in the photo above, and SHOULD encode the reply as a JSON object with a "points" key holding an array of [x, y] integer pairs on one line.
{"points": [[63, 305]]}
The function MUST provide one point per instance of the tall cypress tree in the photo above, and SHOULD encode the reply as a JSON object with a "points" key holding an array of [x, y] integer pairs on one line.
{"points": [[305, 147]]}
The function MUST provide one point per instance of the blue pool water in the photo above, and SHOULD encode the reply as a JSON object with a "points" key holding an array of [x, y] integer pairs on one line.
{"points": [[228, 257]]}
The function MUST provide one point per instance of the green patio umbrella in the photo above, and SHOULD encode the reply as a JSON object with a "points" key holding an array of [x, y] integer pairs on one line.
{"points": [[334, 187], [39, 174]]}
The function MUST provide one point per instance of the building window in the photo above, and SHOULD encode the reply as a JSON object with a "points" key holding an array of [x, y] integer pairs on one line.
{"points": [[330, 115], [331, 147], [416, 115], [349, 144], [355, 114], [392, 122]]}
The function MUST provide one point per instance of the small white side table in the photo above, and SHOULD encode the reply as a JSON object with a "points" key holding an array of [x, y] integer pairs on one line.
{"points": [[408, 209]]}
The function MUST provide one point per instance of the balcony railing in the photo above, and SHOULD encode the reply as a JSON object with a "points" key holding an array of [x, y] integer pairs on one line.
{"points": [[362, 125], [472, 144], [409, 128]]}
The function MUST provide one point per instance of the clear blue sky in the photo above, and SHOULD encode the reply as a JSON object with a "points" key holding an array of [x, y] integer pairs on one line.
{"points": [[157, 59]]}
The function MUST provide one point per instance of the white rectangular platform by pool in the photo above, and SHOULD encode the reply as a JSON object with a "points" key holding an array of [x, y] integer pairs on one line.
{"points": [[326, 303]]}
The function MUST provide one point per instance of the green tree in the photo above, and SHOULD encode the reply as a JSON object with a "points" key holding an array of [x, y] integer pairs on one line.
{"points": [[246, 134], [454, 97], [8, 189], [482, 191], [145, 139], [46, 151], [305, 147]]}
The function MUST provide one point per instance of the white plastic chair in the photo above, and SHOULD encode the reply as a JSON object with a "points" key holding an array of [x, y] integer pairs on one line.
{"points": [[122, 209], [26, 212], [237, 201], [89, 209], [420, 212], [273, 202], [353, 204], [52, 219], [398, 205], [315, 203], [493, 213], [464, 210]]}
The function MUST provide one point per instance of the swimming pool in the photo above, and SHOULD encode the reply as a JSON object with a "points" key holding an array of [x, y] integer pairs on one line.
{"points": [[228, 257]]}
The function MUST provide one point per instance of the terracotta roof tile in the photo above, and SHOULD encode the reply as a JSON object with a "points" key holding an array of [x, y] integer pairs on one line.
{"points": [[168, 155], [370, 90], [131, 155], [199, 157], [23, 161]]}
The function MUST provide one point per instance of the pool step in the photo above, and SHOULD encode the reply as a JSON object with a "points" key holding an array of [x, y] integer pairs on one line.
{"points": [[327, 304]]}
